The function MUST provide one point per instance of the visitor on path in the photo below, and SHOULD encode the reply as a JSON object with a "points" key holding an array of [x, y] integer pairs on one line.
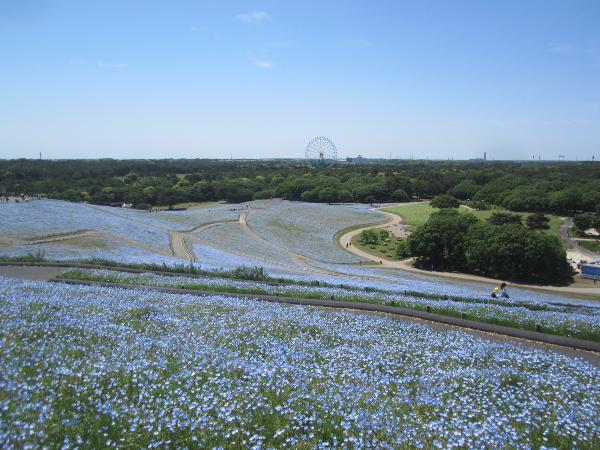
{"points": [[500, 291]]}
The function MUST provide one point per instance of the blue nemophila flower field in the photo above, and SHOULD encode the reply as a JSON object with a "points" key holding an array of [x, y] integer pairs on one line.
{"points": [[308, 228], [99, 367], [576, 321]]}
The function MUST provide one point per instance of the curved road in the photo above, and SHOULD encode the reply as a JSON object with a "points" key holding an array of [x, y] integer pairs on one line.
{"points": [[406, 265], [576, 252]]}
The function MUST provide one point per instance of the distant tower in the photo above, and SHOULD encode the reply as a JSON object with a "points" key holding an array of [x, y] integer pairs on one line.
{"points": [[40, 156], [485, 156]]}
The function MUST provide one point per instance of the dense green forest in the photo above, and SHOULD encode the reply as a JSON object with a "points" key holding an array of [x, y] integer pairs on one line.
{"points": [[563, 188], [453, 240]]}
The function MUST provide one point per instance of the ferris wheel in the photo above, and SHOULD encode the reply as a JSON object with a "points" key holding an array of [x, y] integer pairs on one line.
{"points": [[321, 149]]}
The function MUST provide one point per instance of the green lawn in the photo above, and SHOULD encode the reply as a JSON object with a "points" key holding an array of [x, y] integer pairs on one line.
{"points": [[383, 249], [413, 214], [593, 246], [416, 214], [190, 205]]}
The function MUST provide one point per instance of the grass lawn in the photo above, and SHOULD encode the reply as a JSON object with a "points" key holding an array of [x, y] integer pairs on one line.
{"points": [[383, 249], [189, 205], [416, 214], [593, 246]]}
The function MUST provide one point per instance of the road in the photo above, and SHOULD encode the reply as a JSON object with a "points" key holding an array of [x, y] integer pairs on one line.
{"points": [[575, 251]]}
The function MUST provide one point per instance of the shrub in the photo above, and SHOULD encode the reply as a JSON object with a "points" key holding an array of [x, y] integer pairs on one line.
{"points": [[249, 273], [478, 205], [499, 218], [369, 237], [537, 221]]}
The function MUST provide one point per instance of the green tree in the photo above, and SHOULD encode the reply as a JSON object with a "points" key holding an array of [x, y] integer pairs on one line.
{"points": [[445, 201], [400, 195], [328, 195], [513, 252], [584, 221], [477, 205], [439, 242], [369, 237], [131, 178], [463, 190]]}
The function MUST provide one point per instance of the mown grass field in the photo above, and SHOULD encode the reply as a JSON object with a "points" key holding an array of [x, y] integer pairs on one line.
{"points": [[416, 214], [593, 246], [385, 248], [189, 205]]}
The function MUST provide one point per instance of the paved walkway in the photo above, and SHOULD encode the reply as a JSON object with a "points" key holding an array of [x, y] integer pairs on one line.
{"points": [[40, 273]]}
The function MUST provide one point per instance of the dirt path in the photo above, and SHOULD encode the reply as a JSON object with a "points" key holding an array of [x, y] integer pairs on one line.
{"points": [[300, 259], [179, 246], [63, 237], [99, 234], [574, 251], [346, 239], [42, 273], [406, 265], [177, 239]]}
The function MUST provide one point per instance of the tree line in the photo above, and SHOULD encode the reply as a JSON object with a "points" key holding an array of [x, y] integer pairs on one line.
{"points": [[561, 188]]}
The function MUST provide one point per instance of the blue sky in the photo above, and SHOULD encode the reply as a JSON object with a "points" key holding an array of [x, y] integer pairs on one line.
{"points": [[153, 79]]}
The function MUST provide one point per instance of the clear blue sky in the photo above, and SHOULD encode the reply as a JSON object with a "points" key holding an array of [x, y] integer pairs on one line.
{"points": [[130, 79]]}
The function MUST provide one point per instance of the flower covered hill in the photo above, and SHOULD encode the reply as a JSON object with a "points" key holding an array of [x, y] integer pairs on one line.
{"points": [[273, 227], [111, 367], [294, 240], [578, 321], [309, 228]]}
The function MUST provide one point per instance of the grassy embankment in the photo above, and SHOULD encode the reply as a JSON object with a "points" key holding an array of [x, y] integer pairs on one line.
{"points": [[416, 214]]}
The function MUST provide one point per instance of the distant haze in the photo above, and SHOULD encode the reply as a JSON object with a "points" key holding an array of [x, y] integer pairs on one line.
{"points": [[148, 79]]}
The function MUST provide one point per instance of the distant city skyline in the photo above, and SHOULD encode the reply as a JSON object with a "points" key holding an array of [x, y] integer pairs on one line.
{"points": [[189, 79]]}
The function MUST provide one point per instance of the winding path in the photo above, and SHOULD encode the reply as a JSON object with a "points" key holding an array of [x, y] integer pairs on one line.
{"points": [[407, 266], [575, 251]]}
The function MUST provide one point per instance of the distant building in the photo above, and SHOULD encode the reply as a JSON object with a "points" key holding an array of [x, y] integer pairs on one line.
{"points": [[360, 160]]}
